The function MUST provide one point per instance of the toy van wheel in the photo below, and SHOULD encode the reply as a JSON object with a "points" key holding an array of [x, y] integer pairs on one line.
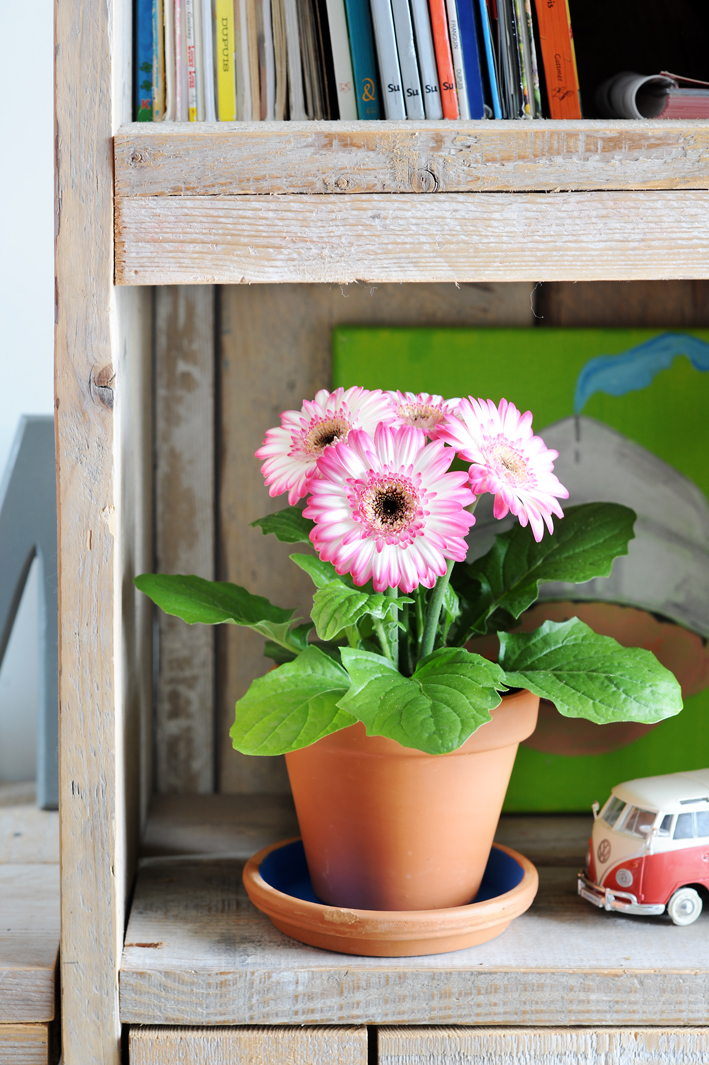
{"points": [[685, 906]]}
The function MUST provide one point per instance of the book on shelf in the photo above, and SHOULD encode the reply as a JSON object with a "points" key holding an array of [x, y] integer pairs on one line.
{"points": [[427, 59], [559, 58], [444, 58], [471, 58], [388, 59], [143, 61], [663, 95], [364, 66], [341, 59], [408, 60]]}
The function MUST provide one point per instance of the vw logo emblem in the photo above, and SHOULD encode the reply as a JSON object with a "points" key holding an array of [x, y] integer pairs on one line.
{"points": [[604, 851]]}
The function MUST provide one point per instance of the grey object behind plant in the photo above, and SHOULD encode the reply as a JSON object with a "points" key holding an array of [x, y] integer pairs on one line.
{"points": [[28, 530], [667, 568]]}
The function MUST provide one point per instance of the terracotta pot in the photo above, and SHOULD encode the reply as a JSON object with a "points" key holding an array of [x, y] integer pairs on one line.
{"points": [[387, 827], [679, 650]]}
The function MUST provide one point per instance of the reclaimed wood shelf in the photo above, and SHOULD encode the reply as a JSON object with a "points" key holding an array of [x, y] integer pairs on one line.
{"points": [[198, 953], [221, 203]]}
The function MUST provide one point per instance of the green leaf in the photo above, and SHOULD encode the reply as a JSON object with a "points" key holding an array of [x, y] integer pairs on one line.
{"points": [[335, 606], [450, 612], [297, 638], [292, 706], [198, 601], [587, 675], [320, 572], [449, 696], [289, 526], [506, 580]]}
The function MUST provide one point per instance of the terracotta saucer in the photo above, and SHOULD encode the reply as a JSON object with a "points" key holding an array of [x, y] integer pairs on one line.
{"points": [[278, 883]]}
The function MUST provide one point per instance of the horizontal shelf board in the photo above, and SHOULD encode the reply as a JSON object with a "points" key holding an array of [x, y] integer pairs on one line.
{"points": [[197, 952], [180, 240], [29, 941], [207, 159]]}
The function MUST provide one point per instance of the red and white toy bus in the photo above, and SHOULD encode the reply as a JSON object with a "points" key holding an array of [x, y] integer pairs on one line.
{"points": [[649, 850]]}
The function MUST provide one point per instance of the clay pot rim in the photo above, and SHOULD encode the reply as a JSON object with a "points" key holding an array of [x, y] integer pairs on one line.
{"points": [[385, 925]]}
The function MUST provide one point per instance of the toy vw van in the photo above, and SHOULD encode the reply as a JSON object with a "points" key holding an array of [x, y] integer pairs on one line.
{"points": [[649, 851]]}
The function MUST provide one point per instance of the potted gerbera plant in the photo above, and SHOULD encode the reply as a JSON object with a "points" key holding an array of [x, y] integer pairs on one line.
{"points": [[399, 741]]}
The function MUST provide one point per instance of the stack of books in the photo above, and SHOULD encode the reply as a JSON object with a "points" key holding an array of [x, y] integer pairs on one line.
{"points": [[270, 60], [662, 95]]}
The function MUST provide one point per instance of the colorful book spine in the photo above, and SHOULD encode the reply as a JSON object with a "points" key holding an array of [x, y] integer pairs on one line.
{"points": [[387, 55], [408, 62], [191, 42], [226, 79], [427, 60], [559, 58], [536, 93], [364, 65], [444, 59], [457, 56], [471, 58], [158, 62], [342, 60], [143, 61], [490, 61], [210, 111]]}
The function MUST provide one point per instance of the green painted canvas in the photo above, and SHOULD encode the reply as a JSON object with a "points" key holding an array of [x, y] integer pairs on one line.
{"points": [[663, 409]]}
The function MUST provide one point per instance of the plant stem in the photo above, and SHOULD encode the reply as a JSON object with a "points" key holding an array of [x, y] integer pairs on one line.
{"points": [[405, 644], [352, 634], [393, 593], [420, 594], [434, 611], [381, 635]]}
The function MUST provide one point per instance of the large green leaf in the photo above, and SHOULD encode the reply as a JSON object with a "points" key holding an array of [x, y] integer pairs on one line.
{"points": [[289, 526], [292, 706], [505, 581], [587, 675], [321, 572], [198, 601], [449, 696], [335, 607]]}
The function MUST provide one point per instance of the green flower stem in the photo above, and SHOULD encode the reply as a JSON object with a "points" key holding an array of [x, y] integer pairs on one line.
{"points": [[405, 667], [352, 634], [420, 594], [433, 613], [381, 635], [393, 593]]}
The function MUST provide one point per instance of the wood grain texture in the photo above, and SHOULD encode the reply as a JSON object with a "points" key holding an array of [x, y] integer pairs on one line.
{"points": [[578, 236], [421, 157], [197, 952], [248, 1046], [28, 835], [29, 941], [550, 1046], [184, 531], [613, 304], [234, 826], [24, 1044], [276, 350], [102, 360]]}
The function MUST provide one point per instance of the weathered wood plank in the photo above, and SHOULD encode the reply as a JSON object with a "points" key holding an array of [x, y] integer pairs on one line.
{"points": [[28, 835], [422, 157], [184, 531], [543, 1046], [24, 1044], [607, 304], [378, 238], [29, 941], [248, 1046], [197, 952], [234, 826], [276, 350]]}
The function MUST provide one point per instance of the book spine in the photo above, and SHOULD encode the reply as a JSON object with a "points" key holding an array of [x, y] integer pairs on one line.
{"points": [[226, 82], [169, 16], [295, 70], [457, 55], [158, 63], [253, 49], [536, 92], [278, 21], [427, 60], [199, 59], [243, 73], [490, 61], [408, 62], [177, 25], [385, 40], [444, 59], [471, 58], [191, 41], [559, 58], [364, 65], [519, 26], [268, 76], [342, 61], [143, 79], [210, 111]]}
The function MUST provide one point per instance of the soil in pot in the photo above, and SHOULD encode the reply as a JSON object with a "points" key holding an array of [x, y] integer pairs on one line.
{"points": [[387, 827]]}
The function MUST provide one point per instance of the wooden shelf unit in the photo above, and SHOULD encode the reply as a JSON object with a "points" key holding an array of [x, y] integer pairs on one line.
{"points": [[316, 204]]}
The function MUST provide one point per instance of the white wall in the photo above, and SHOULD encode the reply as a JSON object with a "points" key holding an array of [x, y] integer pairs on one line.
{"points": [[26, 318]]}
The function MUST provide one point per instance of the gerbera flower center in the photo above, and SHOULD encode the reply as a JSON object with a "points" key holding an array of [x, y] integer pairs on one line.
{"points": [[508, 462], [421, 415], [388, 504], [325, 431]]}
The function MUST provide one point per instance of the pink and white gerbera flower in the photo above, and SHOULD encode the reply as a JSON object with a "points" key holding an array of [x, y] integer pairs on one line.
{"points": [[422, 410], [292, 450], [388, 509], [508, 460]]}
